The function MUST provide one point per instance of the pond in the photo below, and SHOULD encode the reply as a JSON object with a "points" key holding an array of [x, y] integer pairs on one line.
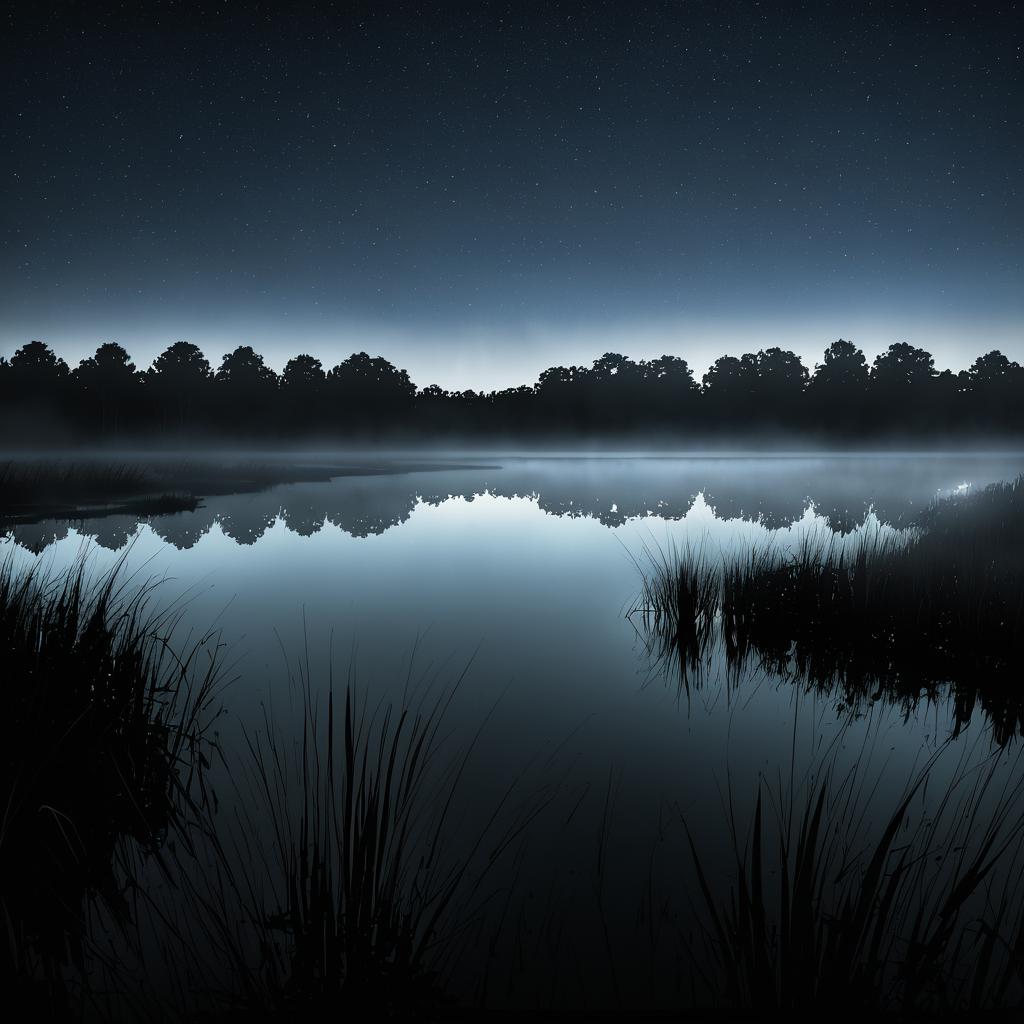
{"points": [[517, 574]]}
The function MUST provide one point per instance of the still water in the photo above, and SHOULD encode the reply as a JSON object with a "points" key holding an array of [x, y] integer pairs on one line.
{"points": [[520, 572]]}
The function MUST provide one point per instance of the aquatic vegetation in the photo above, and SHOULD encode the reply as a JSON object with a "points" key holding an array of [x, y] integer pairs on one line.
{"points": [[99, 728], [338, 887], [896, 614], [916, 911], [679, 603], [29, 482]]}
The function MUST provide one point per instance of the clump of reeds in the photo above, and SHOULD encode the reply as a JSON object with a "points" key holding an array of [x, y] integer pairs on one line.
{"points": [[33, 482], [678, 606], [336, 890], [918, 912], [98, 732], [899, 613]]}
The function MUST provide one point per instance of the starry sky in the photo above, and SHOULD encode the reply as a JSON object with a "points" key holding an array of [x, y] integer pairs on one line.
{"points": [[478, 191]]}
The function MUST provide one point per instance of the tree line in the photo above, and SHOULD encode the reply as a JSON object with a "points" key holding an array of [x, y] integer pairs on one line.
{"points": [[899, 394]]}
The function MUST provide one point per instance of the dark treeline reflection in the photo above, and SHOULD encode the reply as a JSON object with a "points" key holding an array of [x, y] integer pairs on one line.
{"points": [[900, 394], [773, 492]]}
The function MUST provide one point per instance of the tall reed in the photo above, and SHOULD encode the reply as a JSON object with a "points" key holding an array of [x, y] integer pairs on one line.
{"points": [[99, 730], [678, 606], [343, 885], [898, 614], [918, 910]]}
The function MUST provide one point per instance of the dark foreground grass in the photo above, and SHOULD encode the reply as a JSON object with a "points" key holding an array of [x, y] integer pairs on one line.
{"points": [[836, 904], [98, 728], [344, 885], [897, 615]]}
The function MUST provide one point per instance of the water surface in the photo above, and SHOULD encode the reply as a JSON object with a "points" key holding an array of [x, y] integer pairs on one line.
{"points": [[521, 574]]}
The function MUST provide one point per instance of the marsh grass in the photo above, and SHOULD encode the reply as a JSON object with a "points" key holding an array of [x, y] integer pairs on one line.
{"points": [[895, 614], [678, 606], [918, 910], [25, 483], [99, 732], [346, 884]]}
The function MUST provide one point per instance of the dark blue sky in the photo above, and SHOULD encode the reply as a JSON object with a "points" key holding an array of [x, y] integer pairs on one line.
{"points": [[479, 191]]}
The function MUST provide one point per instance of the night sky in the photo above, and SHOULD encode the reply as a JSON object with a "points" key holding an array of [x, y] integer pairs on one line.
{"points": [[477, 191]]}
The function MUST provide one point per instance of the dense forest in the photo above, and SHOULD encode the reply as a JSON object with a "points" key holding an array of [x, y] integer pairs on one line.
{"points": [[764, 394]]}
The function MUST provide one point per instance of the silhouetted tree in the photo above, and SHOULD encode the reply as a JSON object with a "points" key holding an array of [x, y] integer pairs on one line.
{"points": [[610, 391], [728, 392], [728, 375], [367, 393], [303, 383], [903, 365], [109, 389], [560, 398], [993, 389], [836, 392], [245, 390], [779, 383], [513, 410], [37, 391], [179, 381], [244, 368], [36, 369], [670, 393], [303, 373], [434, 410], [901, 388], [764, 391], [843, 369]]}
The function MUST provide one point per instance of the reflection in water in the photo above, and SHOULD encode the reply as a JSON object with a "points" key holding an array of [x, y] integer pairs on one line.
{"points": [[739, 499], [184, 529], [247, 523], [774, 492], [903, 669], [36, 536]]}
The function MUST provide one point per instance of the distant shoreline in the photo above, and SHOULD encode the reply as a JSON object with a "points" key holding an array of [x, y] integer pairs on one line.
{"points": [[81, 484]]}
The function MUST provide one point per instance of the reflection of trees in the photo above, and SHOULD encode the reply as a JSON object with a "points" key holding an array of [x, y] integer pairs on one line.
{"points": [[184, 529], [748, 503], [360, 506], [774, 492], [846, 519], [245, 518], [611, 511], [303, 518], [112, 532], [370, 509], [36, 536]]}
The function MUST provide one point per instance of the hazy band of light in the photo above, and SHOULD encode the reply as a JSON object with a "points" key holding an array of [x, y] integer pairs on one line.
{"points": [[485, 357]]}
